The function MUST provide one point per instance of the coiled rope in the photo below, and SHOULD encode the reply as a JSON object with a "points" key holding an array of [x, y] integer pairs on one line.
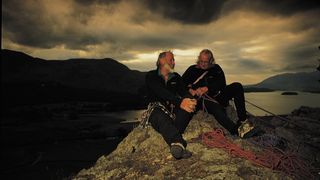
{"points": [[273, 158]]}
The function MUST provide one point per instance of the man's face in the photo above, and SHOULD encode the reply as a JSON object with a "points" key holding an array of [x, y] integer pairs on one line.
{"points": [[204, 61], [167, 63], [170, 60]]}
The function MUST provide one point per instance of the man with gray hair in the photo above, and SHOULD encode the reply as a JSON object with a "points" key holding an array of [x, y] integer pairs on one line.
{"points": [[206, 79], [172, 104]]}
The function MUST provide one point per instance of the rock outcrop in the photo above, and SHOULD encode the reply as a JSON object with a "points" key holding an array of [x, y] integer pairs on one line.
{"points": [[143, 154]]}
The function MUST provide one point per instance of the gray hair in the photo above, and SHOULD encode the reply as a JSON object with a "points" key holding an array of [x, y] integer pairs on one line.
{"points": [[210, 55], [162, 55]]}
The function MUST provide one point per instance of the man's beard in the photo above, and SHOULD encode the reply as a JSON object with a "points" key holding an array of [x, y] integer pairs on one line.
{"points": [[167, 67]]}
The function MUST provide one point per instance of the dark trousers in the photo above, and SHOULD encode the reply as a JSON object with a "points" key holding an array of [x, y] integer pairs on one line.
{"points": [[234, 91], [171, 130], [220, 115]]}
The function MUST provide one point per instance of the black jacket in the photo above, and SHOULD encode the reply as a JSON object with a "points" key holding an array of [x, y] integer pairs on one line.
{"points": [[214, 79], [171, 92]]}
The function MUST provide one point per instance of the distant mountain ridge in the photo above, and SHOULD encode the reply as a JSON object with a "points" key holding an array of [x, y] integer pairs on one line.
{"points": [[301, 81], [111, 76], [26, 80], [99, 74]]}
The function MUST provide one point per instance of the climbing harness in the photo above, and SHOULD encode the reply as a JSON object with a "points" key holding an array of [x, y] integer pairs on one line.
{"points": [[144, 119]]}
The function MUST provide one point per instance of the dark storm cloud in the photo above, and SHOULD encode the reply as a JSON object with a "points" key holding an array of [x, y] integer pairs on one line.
{"points": [[201, 11], [91, 2], [247, 66], [273, 7], [300, 53], [23, 24], [188, 11], [27, 23], [84, 9], [206, 11], [298, 68], [252, 64], [302, 57]]}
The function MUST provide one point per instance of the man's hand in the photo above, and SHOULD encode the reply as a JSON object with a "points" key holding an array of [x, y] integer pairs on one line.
{"points": [[192, 92], [201, 90], [188, 104]]}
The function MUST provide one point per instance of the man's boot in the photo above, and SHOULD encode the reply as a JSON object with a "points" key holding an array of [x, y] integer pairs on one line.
{"points": [[246, 129], [178, 151]]}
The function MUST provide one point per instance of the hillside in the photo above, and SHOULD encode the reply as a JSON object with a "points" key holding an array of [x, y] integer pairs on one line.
{"points": [[302, 81], [99, 74], [28, 80]]}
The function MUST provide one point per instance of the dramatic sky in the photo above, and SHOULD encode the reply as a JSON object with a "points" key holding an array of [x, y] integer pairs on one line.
{"points": [[251, 39]]}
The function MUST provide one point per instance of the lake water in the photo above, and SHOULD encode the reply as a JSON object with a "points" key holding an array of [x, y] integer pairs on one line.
{"points": [[271, 101], [280, 104]]}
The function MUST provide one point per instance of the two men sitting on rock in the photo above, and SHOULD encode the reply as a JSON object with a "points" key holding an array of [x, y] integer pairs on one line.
{"points": [[173, 103]]}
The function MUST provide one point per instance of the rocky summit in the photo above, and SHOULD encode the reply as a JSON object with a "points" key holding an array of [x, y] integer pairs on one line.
{"points": [[143, 154]]}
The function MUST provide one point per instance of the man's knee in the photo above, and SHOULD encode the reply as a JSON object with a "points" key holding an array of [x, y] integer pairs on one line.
{"points": [[213, 105], [215, 109], [158, 115], [182, 113], [237, 86], [220, 113]]}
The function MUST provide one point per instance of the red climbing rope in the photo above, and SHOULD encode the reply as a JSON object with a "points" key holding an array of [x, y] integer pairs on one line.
{"points": [[272, 157]]}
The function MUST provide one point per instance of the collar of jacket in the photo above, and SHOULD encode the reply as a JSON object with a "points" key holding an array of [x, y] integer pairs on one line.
{"points": [[210, 66], [170, 75]]}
